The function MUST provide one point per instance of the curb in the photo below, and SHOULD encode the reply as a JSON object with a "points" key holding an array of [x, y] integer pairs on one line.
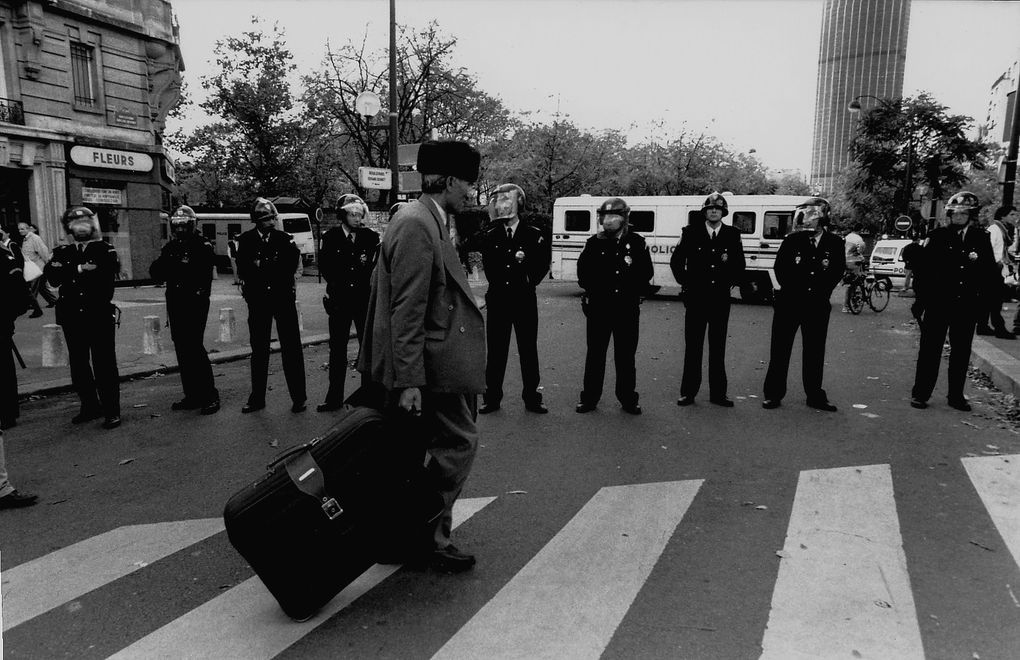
{"points": [[997, 364]]}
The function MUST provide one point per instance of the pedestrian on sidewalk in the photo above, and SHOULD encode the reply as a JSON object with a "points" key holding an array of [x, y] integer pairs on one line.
{"points": [[267, 260], [706, 263], [425, 336], [614, 269], [13, 303], [186, 264], [990, 322], [10, 498], [85, 270], [232, 255], [809, 265], [515, 258], [959, 268], [346, 258], [34, 249]]}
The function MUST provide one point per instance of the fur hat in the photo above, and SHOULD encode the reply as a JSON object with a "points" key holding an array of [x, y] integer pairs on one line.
{"points": [[450, 158]]}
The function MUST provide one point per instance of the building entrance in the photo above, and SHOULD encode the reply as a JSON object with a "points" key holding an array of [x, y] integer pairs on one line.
{"points": [[14, 199]]}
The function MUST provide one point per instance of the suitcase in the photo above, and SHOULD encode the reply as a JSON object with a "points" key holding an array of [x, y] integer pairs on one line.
{"points": [[325, 509]]}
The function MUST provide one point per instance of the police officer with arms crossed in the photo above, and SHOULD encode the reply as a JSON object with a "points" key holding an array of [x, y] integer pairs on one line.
{"points": [[707, 262], [614, 269], [267, 259], [958, 271], [14, 301], [85, 271], [809, 265], [346, 259], [516, 259], [186, 265]]}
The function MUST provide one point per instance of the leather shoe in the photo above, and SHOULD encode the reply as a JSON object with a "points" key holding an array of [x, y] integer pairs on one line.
{"points": [[583, 407], [253, 406], [1005, 334], [536, 407], [328, 407], [685, 401], [298, 407], [959, 404], [185, 404], [917, 403], [450, 560], [822, 405], [983, 330], [86, 416], [632, 408], [210, 408], [769, 404], [16, 500], [488, 408], [111, 422], [722, 401]]}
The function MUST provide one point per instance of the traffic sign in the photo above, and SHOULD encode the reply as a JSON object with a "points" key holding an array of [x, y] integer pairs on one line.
{"points": [[407, 154], [379, 178], [410, 182], [903, 223]]}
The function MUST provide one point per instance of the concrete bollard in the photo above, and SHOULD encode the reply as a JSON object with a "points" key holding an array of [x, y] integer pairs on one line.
{"points": [[54, 352], [300, 316], [228, 325], [151, 344]]}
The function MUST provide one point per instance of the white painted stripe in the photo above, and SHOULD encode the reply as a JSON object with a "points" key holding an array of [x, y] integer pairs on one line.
{"points": [[997, 480], [843, 589], [54, 579], [247, 623], [569, 599]]}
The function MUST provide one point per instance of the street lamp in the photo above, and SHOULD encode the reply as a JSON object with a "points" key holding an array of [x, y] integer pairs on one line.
{"points": [[855, 107]]}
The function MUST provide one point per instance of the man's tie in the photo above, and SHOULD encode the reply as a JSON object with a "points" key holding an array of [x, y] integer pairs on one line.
{"points": [[814, 243], [509, 234], [350, 237], [713, 237], [81, 248]]}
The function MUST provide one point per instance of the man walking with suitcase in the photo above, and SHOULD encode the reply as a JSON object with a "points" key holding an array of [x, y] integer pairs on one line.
{"points": [[425, 336]]}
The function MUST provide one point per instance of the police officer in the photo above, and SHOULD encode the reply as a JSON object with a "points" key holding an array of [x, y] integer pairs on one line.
{"points": [[614, 270], [958, 269], [186, 265], [707, 262], [346, 259], [516, 259], [85, 271], [809, 265], [267, 259], [14, 301]]}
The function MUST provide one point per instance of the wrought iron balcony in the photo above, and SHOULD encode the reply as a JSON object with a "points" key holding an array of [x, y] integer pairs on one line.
{"points": [[12, 112]]}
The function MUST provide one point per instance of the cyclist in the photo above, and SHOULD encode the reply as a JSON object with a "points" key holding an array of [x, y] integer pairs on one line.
{"points": [[854, 248]]}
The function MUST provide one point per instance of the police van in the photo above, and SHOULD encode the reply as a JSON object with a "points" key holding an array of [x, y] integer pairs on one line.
{"points": [[217, 228], [763, 221]]}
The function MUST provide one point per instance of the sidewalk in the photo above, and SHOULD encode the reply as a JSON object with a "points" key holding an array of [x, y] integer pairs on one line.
{"points": [[999, 359], [138, 302]]}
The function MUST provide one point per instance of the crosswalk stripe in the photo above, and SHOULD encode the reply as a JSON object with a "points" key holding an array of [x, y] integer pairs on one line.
{"points": [[843, 589], [247, 623], [997, 480], [54, 579], [569, 599]]}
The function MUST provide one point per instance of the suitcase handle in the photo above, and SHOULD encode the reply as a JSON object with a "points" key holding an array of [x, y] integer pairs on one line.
{"points": [[307, 476], [282, 456]]}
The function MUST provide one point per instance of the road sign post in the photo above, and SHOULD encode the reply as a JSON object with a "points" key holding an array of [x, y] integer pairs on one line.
{"points": [[903, 223]]}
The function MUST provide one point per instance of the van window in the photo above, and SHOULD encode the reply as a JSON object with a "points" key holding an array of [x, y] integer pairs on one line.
{"points": [[233, 229], [163, 231], [744, 221], [642, 221], [777, 224], [296, 225], [577, 221], [209, 232], [695, 217]]}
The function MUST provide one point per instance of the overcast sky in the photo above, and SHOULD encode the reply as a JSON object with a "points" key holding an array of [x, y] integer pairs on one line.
{"points": [[745, 71]]}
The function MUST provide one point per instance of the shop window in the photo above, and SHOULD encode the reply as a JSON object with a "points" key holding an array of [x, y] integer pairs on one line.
{"points": [[577, 221], [642, 221], [777, 224], [83, 76], [744, 221]]}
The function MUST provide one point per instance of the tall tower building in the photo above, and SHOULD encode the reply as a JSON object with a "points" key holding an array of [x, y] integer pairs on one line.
{"points": [[863, 51]]}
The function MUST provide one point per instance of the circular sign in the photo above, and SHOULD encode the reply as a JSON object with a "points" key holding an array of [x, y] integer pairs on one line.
{"points": [[319, 215], [367, 104], [903, 223]]}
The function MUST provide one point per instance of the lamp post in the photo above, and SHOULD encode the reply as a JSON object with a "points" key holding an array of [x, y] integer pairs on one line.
{"points": [[855, 107]]}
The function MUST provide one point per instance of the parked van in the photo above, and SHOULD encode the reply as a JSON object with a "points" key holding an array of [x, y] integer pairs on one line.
{"points": [[763, 221], [217, 228], [887, 259]]}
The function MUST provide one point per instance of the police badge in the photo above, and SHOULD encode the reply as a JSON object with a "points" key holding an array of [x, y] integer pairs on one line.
{"points": [[825, 262], [627, 260], [363, 258], [796, 259], [519, 256], [724, 256], [972, 256]]}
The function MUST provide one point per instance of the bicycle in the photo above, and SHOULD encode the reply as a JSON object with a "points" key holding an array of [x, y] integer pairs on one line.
{"points": [[867, 287]]}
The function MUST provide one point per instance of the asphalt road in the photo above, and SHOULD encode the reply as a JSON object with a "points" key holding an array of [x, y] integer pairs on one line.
{"points": [[878, 531]]}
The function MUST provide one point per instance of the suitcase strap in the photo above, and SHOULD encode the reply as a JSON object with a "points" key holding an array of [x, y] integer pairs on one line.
{"points": [[307, 476]]}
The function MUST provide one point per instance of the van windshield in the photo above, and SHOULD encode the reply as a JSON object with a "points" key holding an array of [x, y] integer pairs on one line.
{"points": [[296, 225]]}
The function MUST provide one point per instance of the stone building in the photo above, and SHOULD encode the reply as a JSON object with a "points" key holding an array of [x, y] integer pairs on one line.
{"points": [[85, 91]]}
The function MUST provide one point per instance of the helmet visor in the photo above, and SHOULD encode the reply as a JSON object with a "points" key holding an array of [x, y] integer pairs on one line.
{"points": [[809, 215], [504, 205]]}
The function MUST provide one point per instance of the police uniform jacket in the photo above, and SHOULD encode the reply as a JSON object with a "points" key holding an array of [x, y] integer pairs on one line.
{"points": [[809, 274], [83, 292], [615, 271], [954, 271], [15, 291], [708, 268], [186, 265], [424, 328], [348, 266], [515, 265], [267, 266]]}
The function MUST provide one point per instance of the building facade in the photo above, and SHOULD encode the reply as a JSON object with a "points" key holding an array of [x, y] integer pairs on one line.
{"points": [[85, 89], [863, 51], [1001, 101]]}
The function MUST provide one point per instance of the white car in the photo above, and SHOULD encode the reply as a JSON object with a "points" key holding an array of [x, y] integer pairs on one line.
{"points": [[887, 259]]}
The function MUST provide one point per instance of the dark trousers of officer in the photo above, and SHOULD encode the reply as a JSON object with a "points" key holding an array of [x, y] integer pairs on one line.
{"points": [[812, 319], [341, 314], [260, 327], [711, 314], [8, 378], [517, 311], [959, 323], [620, 323], [92, 354], [187, 329], [992, 314]]}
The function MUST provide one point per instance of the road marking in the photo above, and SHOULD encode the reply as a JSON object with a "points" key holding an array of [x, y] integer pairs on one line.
{"points": [[997, 480], [569, 599], [246, 622], [843, 589], [38, 586]]}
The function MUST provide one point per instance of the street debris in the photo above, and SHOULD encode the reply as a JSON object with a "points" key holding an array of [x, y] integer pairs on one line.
{"points": [[274, 443], [782, 554], [882, 603], [870, 415], [963, 421], [126, 461], [1012, 595], [88, 475], [140, 405], [983, 547], [155, 415], [517, 492], [761, 507], [860, 406]]}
